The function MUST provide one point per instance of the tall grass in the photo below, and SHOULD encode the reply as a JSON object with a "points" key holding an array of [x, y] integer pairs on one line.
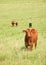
{"points": [[12, 48]]}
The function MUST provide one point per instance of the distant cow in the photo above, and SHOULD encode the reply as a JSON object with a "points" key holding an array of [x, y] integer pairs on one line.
{"points": [[30, 25], [30, 38], [14, 23]]}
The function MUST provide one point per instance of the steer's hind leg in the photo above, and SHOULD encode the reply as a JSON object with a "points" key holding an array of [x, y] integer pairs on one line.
{"points": [[35, 44]]}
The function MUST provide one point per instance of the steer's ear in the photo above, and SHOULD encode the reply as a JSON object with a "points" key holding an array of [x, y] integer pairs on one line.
{"points": [[24, 31]]}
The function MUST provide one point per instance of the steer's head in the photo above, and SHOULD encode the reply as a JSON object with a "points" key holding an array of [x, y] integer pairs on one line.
{"points": [[27, 31]]}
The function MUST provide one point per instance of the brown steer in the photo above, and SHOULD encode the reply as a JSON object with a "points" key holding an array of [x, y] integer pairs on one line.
{"points": [[30, 38]]}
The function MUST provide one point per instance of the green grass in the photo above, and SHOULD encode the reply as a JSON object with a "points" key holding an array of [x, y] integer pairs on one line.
{"points": [[12, 49]]}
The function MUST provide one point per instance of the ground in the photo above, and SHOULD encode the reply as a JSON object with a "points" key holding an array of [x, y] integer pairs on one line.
{"points": [[12, 49]]}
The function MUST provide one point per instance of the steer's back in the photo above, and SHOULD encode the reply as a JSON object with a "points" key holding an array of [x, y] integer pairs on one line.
{"points": [[34, 35]]}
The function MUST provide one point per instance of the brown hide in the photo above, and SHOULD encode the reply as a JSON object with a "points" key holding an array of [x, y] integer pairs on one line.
{"points": [[30, 38]]}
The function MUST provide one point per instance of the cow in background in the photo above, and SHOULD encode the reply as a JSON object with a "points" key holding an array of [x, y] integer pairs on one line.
{"points": [[30, 25], [14, 23]]}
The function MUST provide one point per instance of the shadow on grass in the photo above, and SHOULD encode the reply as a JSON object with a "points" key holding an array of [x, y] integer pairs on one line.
{"points": [[24, 49]]}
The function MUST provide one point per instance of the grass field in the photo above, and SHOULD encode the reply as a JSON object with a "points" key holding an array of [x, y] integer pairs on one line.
{"points": [[12, 50]]}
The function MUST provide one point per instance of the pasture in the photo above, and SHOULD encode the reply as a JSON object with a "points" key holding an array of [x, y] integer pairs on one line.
{"points": [[12, 48]]}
